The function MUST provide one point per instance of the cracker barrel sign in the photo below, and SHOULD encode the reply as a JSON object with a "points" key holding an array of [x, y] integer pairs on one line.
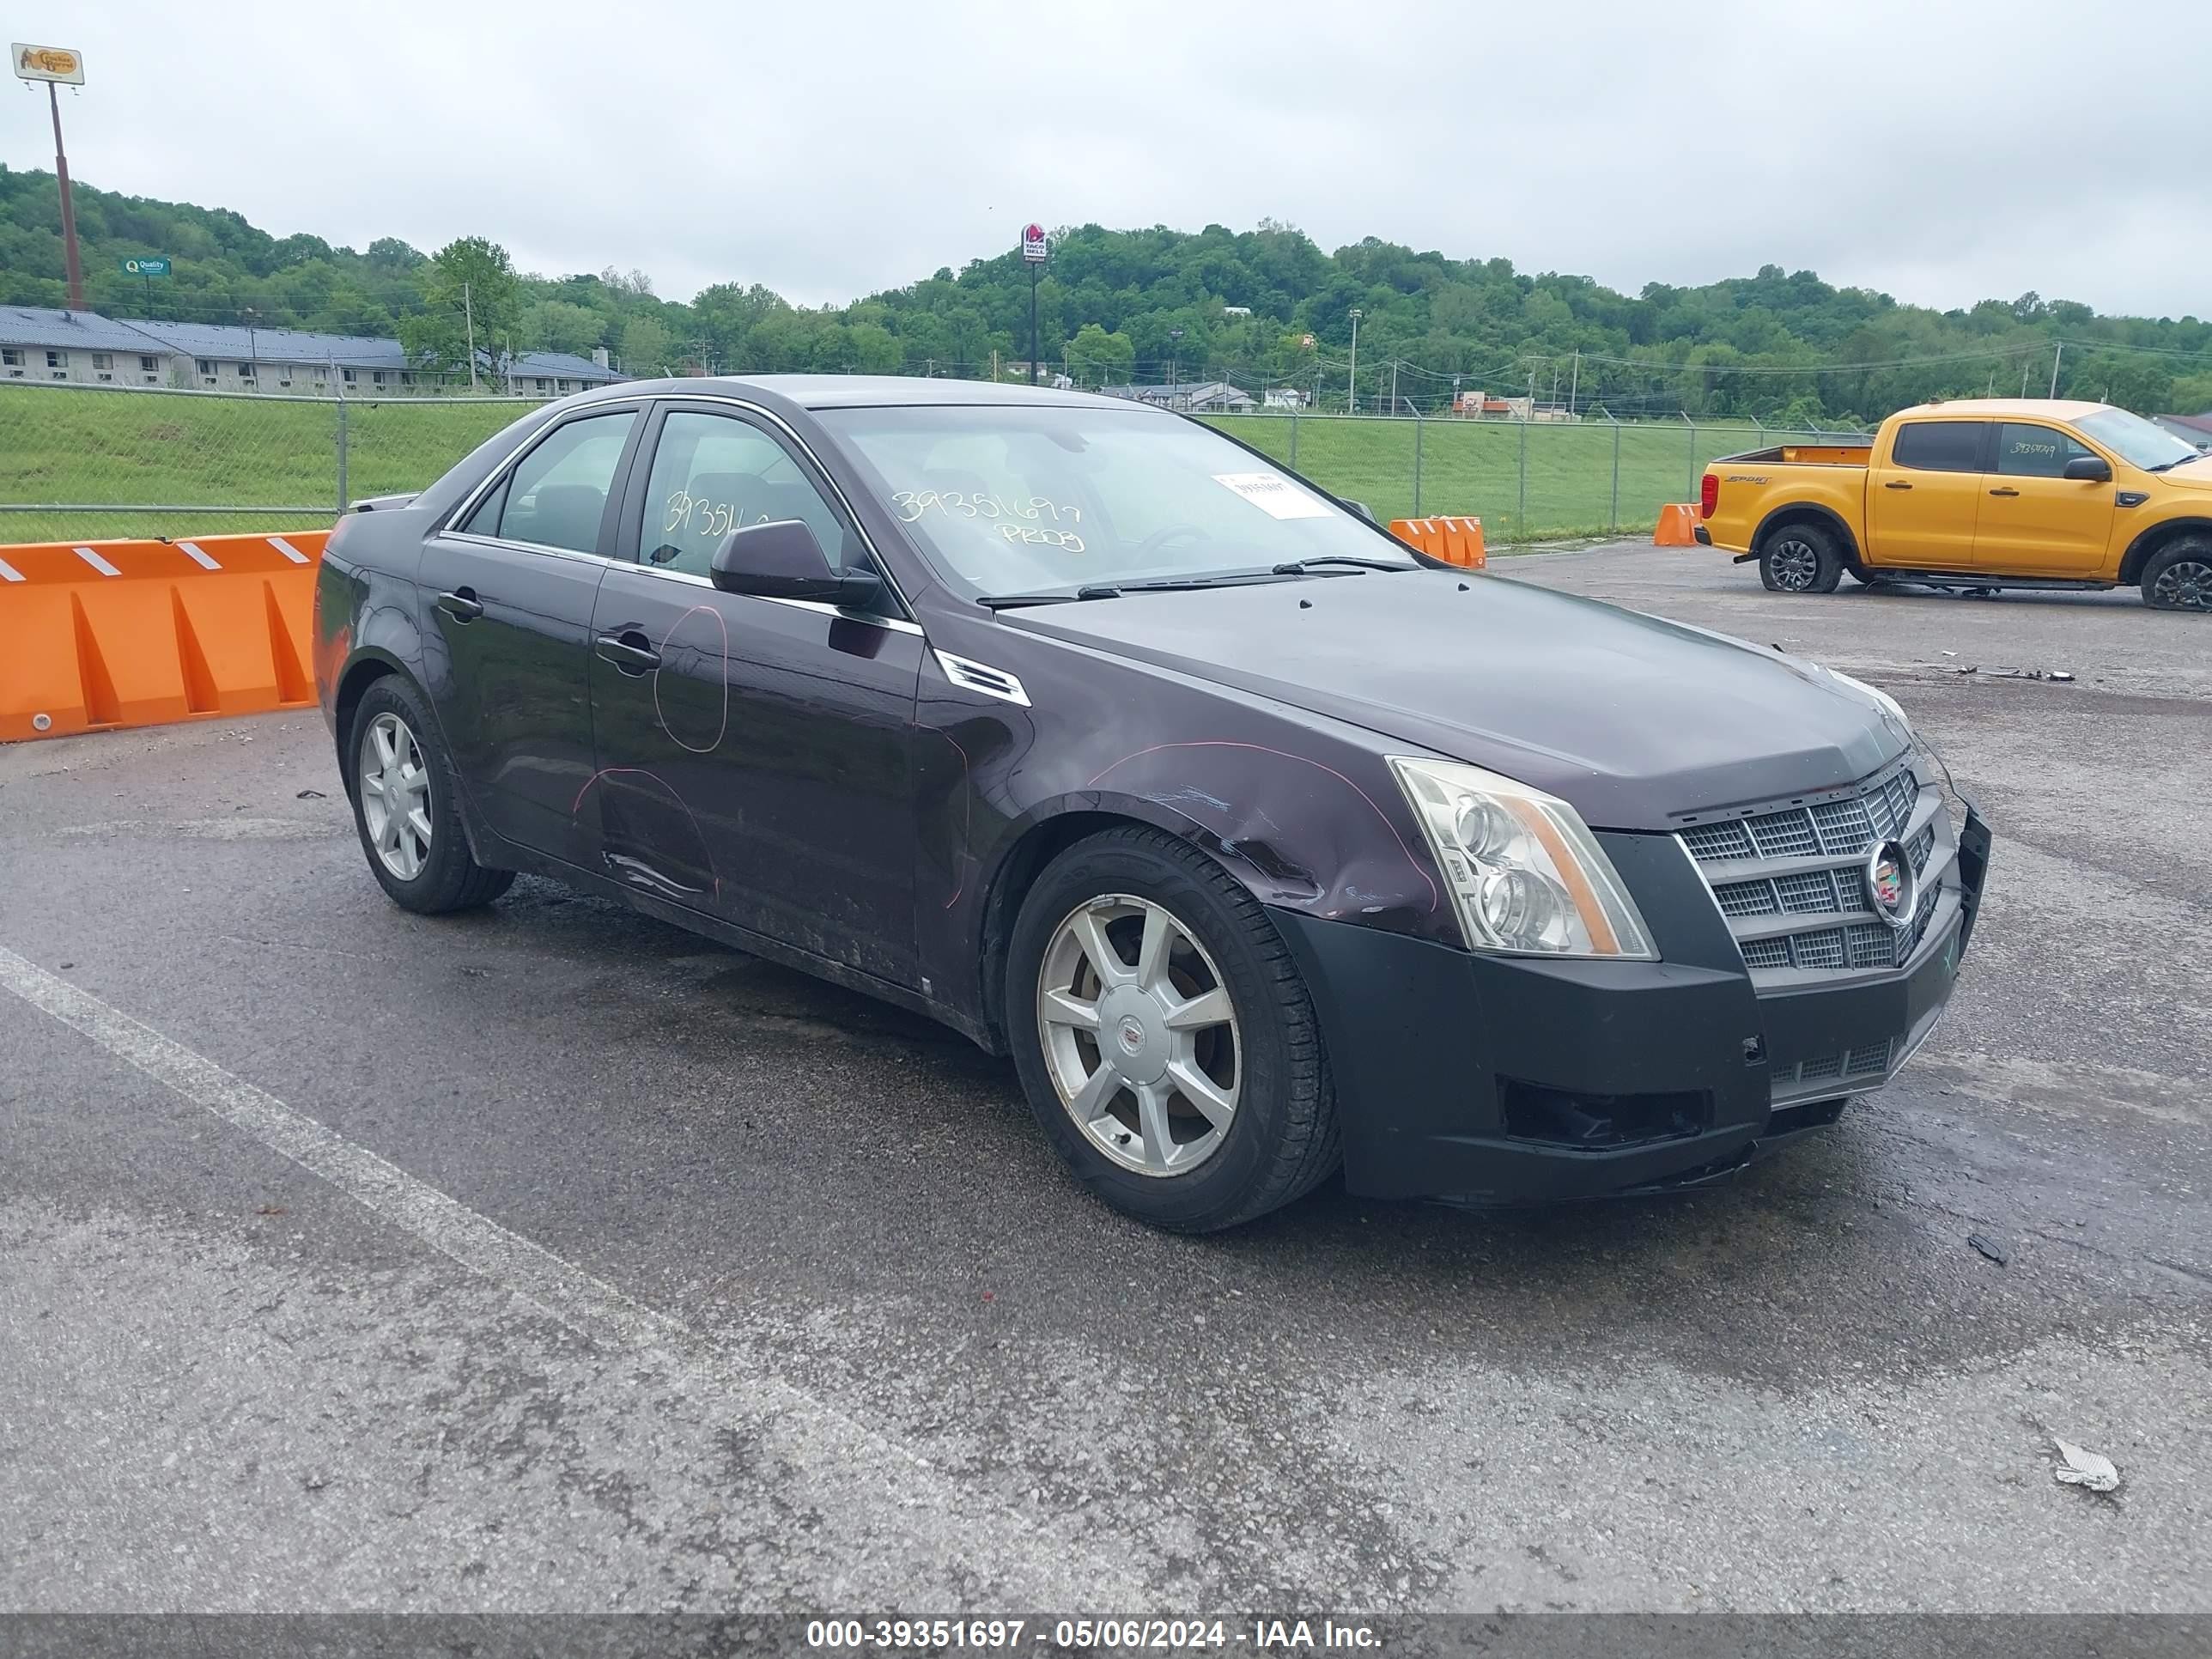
{"points": [[47, 64]]}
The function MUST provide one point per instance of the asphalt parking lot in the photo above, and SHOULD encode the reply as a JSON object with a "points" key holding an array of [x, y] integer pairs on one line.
{"points": [[552, 1259]]}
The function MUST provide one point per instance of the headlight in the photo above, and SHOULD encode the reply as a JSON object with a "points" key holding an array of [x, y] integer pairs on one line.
{"points": [[1525, 872], [1878, 695]]}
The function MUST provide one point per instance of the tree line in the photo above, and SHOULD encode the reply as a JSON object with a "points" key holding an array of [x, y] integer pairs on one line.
{"points": [[1263, 308]]}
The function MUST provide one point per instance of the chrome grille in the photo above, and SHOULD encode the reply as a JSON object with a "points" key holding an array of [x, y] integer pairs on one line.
{"points": [[1833, 836]]}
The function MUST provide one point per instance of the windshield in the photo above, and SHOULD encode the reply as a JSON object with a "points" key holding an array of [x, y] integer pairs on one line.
{"points": [[2134, 440], [1008, 500]]}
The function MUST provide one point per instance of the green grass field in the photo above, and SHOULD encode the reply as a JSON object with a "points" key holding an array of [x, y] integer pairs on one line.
{"points": [[116, 448], [91, 449], [1475, 467]]}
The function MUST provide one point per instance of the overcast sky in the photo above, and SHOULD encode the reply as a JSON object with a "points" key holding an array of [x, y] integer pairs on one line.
{"points": [[1942, 150]]}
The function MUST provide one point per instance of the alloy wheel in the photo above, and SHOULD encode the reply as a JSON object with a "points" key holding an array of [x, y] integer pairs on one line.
{"points": [[1140, 1035], [2184, 585], [395, 796], [1795, 565]]}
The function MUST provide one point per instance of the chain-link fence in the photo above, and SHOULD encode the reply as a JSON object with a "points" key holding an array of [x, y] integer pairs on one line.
{"points": [[1527, 480], [83, 461]]}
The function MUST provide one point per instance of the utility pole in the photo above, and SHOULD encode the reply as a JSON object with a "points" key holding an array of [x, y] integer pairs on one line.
{"points": [[1574, 384], [1351, 379], [469, 314], [1393, 386], [2056, 352], [2024, 369]]}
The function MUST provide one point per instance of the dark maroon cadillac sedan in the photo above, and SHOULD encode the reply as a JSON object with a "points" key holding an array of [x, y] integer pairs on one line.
{"points": [[1262, 844]]}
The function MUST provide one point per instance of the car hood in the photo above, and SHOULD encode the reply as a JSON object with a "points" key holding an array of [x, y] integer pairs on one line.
{"points": [[2191, 475], [1635, 720]]}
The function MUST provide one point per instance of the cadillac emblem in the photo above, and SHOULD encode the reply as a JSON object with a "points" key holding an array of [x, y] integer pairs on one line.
{"points": [[1891, 885]]}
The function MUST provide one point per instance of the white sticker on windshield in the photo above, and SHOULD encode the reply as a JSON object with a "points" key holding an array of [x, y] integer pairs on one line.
{"points": [[1274, 495]]}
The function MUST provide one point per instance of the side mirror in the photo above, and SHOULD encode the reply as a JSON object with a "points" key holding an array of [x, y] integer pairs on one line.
{"points": [[2089, 469], [782, 561]]}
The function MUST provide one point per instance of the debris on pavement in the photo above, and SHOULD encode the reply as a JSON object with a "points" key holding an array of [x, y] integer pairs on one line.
{"points": [[2033, 674], [1990, 1247], [309, 794], [2084, 1468]]}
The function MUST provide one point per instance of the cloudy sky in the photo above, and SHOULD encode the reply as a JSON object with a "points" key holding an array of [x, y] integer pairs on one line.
{"points": [[1944, 150]]}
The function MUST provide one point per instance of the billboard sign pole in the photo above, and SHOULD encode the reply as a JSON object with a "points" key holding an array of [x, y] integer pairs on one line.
{"points": [[1034, 253], [57, 66]]}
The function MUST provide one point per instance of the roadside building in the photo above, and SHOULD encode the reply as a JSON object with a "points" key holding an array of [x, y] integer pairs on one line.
{"points": [[1217, 396], [2190, 428], [78, 347]]}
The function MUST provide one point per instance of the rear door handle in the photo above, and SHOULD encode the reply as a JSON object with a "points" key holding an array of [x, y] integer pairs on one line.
{"points": [[629, 651], [2004, 492], [462, 604], [1897, 483]]}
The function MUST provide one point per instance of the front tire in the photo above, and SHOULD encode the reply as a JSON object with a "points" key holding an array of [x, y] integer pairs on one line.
{"points": [[2179, 577], [1800, 558], [406, 807], [1168, 1047]]}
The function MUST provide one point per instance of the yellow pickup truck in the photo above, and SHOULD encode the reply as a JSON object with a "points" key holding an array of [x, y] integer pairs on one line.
{"points": [[1981, 494]]}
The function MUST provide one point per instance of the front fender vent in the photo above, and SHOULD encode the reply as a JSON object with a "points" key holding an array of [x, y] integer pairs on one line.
{"points": [[972, 676]]}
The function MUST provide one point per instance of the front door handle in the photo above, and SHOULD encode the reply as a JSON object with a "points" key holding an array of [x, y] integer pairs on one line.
{"points": [[629, 651], [461, 604], [1897, 483], [2004, 492]]}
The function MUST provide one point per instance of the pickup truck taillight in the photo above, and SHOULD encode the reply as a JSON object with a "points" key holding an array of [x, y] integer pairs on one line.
{"points": [[1708, 495]]}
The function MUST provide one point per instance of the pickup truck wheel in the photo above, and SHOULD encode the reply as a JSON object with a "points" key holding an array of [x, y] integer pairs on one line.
{"points": [[1800, 558], [1164, 1039], [2180, 578]]}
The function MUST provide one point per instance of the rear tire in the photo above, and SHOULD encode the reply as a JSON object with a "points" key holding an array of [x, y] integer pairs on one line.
{"points": [[2179, 577], [1262, 1050], [406, 806], [1800, 558]]}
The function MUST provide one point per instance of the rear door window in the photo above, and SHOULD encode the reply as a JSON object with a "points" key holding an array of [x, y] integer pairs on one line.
{"points": [[2035, 452], [556, 496], [1941, 446]]}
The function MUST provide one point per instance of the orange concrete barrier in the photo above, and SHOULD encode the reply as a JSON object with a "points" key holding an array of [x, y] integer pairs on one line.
{"points": [[97, 635], [1456, 540], [1678, 526]]}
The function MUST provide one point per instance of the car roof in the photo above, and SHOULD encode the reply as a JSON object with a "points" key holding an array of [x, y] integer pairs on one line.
{"points": [[2049, 409], [813, 392]]}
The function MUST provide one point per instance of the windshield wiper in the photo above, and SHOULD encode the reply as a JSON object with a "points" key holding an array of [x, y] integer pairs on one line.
{"points": [[1305, 567], [1008, 601], [1161, 585]]}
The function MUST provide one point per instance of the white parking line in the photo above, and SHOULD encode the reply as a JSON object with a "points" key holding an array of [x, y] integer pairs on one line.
{"points": [[856, 1468]]}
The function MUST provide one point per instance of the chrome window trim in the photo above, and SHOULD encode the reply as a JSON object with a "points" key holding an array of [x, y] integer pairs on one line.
{"points": [[507, 544], [646, 405], [820, 607], [894, 624]]}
